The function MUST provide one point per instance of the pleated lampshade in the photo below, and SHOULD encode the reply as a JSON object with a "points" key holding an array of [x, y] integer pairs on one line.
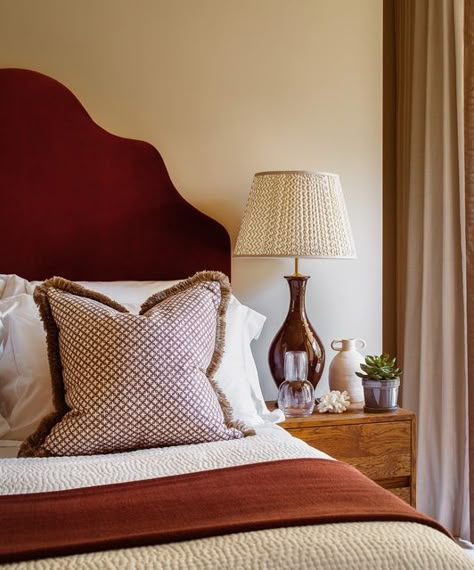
{"points": [[295, 214]]}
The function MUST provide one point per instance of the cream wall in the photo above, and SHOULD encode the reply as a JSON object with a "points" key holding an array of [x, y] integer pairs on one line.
{"points": [[225, 88]]}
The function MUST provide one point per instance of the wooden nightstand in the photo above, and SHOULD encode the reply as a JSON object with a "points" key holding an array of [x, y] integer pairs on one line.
{"points": [[382, 446]]}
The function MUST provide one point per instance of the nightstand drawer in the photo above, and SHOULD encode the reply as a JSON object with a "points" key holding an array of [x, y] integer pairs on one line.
{"points": [[379, 450], [380, 445], [404, 493]]}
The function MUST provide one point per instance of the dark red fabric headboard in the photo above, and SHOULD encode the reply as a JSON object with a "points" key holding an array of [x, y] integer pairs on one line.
{"points": [[82, 203]]}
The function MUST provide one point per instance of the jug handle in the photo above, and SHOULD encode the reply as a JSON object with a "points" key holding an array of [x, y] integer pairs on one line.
{"points": [[334, 342], [362, 343]]}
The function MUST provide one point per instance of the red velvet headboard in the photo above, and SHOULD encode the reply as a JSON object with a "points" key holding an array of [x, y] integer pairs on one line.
{"points": [[82, 203]]}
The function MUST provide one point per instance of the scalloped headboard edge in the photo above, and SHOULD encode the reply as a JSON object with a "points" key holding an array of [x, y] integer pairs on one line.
{"points": [[85, 204]]}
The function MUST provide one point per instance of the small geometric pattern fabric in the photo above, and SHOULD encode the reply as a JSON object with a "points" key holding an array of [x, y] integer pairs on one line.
{"points": [[295, 214], [137, 381]]}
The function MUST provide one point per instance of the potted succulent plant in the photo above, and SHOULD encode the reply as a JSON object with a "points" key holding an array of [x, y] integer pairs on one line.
{"points": [[380, 380]]}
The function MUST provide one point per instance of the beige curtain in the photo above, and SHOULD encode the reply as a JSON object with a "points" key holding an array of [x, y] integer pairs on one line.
{"points": [[469, 201], [430, 255]]}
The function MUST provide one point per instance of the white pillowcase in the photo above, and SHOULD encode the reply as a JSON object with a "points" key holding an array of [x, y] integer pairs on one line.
{"points": [[124, 292], [25, 385], [25, 381]]}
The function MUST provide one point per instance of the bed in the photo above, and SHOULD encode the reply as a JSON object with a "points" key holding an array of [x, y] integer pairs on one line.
{"points": [[101, 211]]}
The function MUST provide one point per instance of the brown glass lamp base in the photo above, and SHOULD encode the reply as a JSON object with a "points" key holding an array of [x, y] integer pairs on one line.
{"points": [[297, 333]]}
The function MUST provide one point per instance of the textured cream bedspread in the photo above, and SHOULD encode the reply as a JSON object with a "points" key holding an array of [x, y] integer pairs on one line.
{"points": [[35, 475], [374, 545], [344, 546]]}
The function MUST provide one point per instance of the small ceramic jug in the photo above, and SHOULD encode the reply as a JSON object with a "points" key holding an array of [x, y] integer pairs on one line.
{"points": [[344, 366]]}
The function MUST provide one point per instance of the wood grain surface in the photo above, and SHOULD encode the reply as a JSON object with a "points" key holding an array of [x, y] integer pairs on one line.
{"points": [[380, 445]]}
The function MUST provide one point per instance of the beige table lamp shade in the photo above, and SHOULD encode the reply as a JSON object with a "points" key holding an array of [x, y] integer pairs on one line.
{"points": [[295, 214]]}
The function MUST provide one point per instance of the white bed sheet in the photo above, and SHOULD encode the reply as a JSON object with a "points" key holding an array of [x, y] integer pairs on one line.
{"points": [[34, 475]]}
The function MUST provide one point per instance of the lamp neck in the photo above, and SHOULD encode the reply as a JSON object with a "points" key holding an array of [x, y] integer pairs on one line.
{"points": [[297, 284]]}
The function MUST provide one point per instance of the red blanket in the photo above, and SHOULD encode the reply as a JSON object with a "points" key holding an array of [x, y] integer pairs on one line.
{"points": [[235, 499]]}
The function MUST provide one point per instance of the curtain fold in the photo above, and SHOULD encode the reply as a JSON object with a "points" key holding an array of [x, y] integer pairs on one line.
{"points": [[469, 208], [431, 319]]}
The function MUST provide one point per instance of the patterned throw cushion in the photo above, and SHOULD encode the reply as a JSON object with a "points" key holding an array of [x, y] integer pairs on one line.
{"points": [[124, 381]]}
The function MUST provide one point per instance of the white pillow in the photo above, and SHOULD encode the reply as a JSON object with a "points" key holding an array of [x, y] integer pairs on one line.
{"points": [[25, 390], [124, 292], [12, 285], [25, 382]]}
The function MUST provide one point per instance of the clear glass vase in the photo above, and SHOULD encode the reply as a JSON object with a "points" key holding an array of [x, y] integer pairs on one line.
{"points": [[296, 393]]}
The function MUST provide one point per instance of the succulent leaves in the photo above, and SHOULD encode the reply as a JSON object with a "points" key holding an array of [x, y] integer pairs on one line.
{"points": [[382, 367]]}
